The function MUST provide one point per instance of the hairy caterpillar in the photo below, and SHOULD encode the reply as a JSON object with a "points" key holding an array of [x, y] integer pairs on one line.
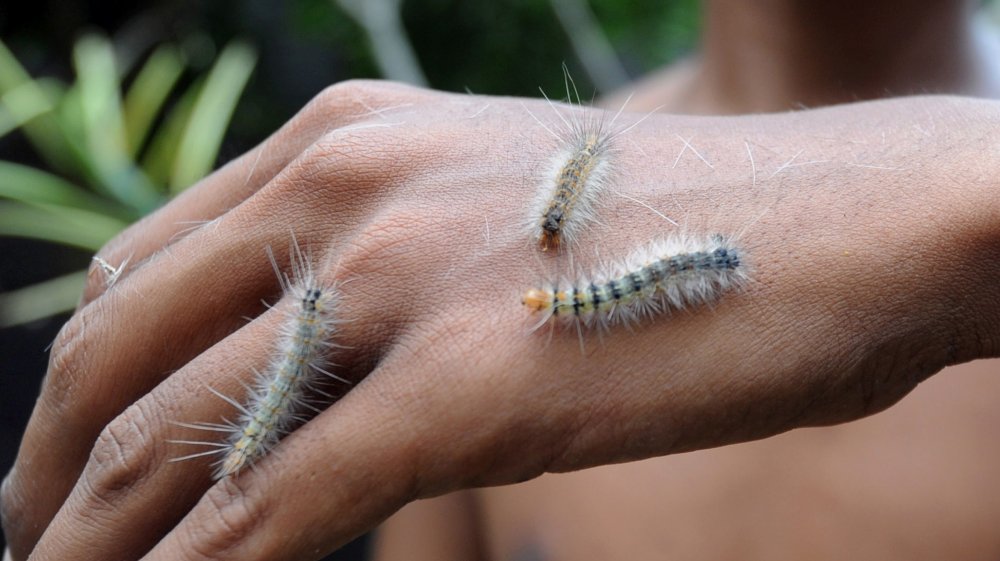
{"points": [[578, 173], [675, 273], [279, 400]]}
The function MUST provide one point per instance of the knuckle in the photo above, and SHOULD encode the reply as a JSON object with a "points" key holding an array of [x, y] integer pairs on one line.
{"points": [[12, 512], [229, 513], [65, 370], [342, 160], [354, 95], [362, 162], [341, 92], [122, 456], [67, 390], [96, 282], [397, 233]]}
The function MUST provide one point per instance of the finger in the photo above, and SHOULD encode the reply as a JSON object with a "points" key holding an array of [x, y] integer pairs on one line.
{"points": [[130, 492], [233, 518], [396, 437], [118, 348], [338, 106], [127, 496], [167, 312], [110, 353]]}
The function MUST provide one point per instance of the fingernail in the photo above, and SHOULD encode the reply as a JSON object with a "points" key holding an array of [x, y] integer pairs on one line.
{"points": [[6, 554]]}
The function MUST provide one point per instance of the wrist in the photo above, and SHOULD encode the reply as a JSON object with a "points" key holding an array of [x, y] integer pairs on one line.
{"points": [[957, 225]]}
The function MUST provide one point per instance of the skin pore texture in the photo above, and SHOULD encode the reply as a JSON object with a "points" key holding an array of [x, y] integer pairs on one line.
{"points": [[873, 231], [916, 481]]}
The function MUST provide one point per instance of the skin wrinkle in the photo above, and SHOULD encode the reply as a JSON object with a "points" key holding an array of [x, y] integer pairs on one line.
{"points": [[12, 506], [99, 502], [564, 456], [121, 461], [60, 378], [99, 513], [347, 159], [95, 284], [236, 511], [875, 390], [607, 417]]}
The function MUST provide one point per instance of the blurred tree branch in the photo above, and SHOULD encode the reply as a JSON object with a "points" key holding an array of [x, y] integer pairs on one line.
{"points": [[590, 44], [383, 23]]}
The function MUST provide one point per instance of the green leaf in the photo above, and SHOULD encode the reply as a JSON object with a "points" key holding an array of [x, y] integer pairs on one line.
{"points": [[27, 100], [8, 122], [211, 114], [159, 159], [29, 185], [20, 105], [68, 226], [12, 74], [70, 122], [100, 104], [148, 92], [40, 128], [41, 300]]}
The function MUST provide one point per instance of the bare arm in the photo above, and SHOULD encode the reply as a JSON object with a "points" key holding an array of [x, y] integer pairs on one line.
{"points": [[873, 231]]}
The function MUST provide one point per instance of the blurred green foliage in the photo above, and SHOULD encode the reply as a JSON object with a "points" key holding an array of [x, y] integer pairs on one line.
{"points": [[112, 160], [508, 47]]}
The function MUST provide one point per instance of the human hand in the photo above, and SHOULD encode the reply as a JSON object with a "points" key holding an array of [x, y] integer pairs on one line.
{"points": [[865, 280]]}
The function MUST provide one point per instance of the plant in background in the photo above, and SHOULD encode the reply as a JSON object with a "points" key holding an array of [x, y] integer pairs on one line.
{"points": [[113, 156]]}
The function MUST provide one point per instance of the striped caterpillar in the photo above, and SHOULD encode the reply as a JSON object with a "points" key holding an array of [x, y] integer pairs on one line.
{"points": [[670, 275], [279, 400]]}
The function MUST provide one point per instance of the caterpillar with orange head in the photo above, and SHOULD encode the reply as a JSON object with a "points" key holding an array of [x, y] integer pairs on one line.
{"points": [[673, 274]]}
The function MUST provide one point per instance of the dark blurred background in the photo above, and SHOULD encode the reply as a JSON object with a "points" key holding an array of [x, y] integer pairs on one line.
{"points": [[505, 47]]}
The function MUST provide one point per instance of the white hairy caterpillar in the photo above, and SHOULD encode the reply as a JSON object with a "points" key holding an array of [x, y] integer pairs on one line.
{"points": [[279, 400], [577, 175], [672, 274]]}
